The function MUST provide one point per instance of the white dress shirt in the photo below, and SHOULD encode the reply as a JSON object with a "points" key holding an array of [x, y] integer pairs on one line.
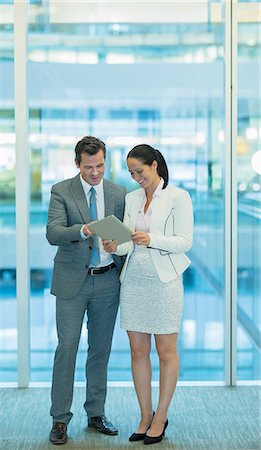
{"points": [[105, 258], [144, 218]]}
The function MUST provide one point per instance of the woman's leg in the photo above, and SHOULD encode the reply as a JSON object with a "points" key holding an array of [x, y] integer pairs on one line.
{"points": [[140, 345], [166, 345]]}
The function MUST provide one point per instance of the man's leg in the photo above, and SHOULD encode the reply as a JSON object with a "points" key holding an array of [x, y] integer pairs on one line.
{"points": [[101, 312], [69, 318]]}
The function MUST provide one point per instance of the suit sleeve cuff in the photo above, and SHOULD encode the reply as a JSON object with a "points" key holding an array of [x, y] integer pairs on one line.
{"points": [[84, 237]]}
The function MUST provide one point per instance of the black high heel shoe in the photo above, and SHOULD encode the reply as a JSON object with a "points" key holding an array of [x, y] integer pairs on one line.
{"points": [[140, 436], [154, 439]]}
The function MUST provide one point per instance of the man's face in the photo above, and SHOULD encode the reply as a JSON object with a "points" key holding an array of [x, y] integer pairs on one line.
{"points": [[92, 167]]}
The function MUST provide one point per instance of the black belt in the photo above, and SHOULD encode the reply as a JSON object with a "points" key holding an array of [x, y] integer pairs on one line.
{"points": [[99, 270]]}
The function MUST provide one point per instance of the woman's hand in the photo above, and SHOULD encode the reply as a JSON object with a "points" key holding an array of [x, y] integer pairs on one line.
{"points": [[140, 238], [109, 245]]}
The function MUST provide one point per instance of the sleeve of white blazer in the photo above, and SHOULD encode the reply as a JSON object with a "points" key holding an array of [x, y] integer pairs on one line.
{"points": [[182, 217]]}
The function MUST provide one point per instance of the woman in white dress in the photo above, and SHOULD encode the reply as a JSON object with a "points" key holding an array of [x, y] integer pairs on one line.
{"points": [[151, 298]]}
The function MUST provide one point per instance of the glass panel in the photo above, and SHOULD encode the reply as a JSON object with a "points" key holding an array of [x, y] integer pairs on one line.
{"points": [[249, 201], [144, 79], [8, 312]]}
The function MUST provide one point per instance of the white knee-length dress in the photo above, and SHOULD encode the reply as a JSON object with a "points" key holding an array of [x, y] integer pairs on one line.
{"points": [[147, 304]]}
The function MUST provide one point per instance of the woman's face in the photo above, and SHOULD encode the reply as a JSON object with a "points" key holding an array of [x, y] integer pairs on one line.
{"points": [[146, 176]]}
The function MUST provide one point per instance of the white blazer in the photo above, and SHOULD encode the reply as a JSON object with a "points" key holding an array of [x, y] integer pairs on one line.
{"points": [[171, 230]]}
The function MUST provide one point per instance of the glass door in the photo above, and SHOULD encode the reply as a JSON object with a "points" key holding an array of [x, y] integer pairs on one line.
{"points": [[153, 75]]}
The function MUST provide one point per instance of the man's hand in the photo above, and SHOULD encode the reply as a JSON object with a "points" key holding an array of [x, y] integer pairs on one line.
{"points": [[87, 231], [110, 246]]}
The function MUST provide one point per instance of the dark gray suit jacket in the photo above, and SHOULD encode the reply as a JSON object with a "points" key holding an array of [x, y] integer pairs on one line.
{"points": [[68, 211]]}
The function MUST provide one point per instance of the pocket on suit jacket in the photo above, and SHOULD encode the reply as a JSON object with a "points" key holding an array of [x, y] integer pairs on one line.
{"points": [[64, 257]]}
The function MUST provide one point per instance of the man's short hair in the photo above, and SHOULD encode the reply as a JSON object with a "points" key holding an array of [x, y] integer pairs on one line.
{"points": [[90, 145]]}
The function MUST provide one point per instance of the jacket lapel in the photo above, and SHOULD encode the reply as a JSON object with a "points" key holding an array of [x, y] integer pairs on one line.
{"points": [[135, 207], [80, 199], [161, 209], [108, 198]]}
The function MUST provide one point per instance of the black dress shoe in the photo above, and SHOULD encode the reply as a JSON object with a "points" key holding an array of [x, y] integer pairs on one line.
{"points": [[140, 436], [58, 434], [102, 424], [154, 439]]}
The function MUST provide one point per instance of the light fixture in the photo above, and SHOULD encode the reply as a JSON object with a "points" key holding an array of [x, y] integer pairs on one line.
{"points": [[220, 136], [251, 133], [256, 162]]}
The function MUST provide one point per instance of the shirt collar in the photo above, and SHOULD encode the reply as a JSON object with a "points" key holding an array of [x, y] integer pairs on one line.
{"points": [[86, 186], [158, 188], [157, 191]]}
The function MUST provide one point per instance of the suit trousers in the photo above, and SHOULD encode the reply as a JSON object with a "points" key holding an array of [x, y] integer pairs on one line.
{"points": [[99, 298]]}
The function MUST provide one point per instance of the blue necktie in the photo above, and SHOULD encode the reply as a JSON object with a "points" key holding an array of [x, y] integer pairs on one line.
{"points": [[95, 254]]}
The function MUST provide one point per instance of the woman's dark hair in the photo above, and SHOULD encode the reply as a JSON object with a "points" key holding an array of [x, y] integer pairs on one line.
{"points": [[90, 145], [147, 155]]}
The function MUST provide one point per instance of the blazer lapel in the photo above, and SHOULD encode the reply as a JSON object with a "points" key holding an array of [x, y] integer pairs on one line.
{"points": [[161, 209], [135, 207], [108, 198], [80, 199]]}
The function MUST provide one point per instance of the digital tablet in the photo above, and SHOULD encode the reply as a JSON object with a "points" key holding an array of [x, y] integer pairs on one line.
{"points": [[111, 228]]}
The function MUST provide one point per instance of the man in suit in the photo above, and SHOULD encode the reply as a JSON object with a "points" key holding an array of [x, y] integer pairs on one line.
{"points": [[85, 279]]}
